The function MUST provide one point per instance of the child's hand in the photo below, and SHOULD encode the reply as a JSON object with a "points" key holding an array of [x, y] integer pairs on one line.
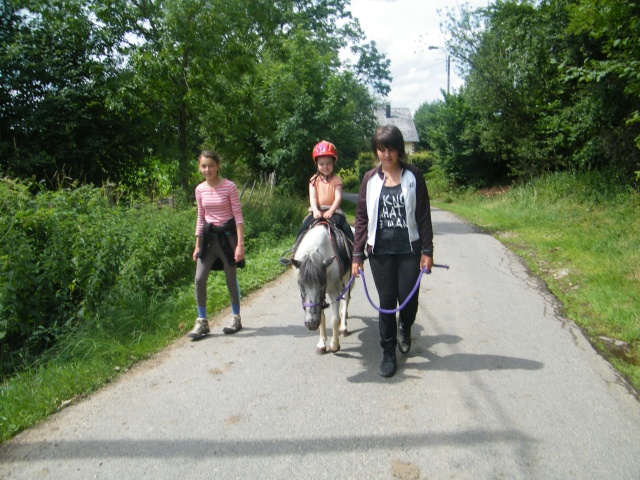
{"points": [[196, 252], [317, 214], [239, 254], [328, 214]]}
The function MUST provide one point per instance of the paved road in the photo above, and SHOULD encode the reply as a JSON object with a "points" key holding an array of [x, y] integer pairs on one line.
{"points": [[497, 385]]}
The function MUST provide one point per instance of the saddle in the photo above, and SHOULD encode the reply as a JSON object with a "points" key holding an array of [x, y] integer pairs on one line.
{"points": [[342, 246]]}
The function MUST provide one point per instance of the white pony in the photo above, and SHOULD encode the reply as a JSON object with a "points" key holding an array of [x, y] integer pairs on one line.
{"points": [[319, 276]]}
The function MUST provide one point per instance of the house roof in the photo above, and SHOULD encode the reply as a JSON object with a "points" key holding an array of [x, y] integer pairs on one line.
{"points": [[401, 118]]}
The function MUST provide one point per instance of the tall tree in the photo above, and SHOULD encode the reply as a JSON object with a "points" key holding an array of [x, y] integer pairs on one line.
{"points": [[525, 84], [107, 87], [57, 69], [298, 92], [509, 79], [610, 65], [247, 77]]}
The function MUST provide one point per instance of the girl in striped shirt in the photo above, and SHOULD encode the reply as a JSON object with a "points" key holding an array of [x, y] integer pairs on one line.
{"points": [[219, 240]]}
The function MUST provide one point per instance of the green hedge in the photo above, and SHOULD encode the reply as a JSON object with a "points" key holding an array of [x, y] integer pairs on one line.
{"points": [[65, 255], [424, 160]]}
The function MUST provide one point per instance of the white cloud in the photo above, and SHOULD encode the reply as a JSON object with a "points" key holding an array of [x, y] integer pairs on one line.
{"points": [[400, 28]]}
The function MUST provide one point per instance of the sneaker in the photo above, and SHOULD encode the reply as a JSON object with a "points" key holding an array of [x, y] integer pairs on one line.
{"points": [[234, 324], [404, 339], [200, 329]]}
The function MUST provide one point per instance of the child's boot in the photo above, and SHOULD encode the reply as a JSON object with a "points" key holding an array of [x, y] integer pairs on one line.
{"points": [[200, 329], [234, 325]]}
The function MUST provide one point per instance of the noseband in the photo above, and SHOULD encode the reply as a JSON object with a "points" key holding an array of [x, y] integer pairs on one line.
{"points": [[323, 304]]}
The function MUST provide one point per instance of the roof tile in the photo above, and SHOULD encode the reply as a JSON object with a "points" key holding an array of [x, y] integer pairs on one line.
{"points": [[401, 118]]}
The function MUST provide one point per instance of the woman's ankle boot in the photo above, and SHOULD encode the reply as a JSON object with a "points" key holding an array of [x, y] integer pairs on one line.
{"points": [[388, 365]]}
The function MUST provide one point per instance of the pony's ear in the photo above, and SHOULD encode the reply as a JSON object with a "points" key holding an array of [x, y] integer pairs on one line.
{"points": [[296, 263], [327, 262]]}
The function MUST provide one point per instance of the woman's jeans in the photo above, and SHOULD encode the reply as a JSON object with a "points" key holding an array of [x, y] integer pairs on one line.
{"points": [[395, 276]]}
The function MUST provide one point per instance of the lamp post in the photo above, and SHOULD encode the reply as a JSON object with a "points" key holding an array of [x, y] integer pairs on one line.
{"points": [[448, 60]]}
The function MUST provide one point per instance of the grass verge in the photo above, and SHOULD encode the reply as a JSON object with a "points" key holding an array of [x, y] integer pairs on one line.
{"points": [[93, 357], [582, 237]]}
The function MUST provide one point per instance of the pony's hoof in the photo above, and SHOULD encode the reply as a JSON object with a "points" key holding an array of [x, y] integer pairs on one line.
{"points": [[344, 333], [335, 349], [321, 350]]}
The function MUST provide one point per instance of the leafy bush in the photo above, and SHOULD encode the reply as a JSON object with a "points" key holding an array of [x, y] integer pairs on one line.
{"points": [[63, 253], [69, 258], [276, 218], [132, 325], [438, 184], [365, 162], [349, 177], [423, 160]]}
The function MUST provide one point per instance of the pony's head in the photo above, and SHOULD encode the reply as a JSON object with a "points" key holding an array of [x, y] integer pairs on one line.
{"points": [[312, 280]]}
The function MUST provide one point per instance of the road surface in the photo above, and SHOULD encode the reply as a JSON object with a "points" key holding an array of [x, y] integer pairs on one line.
{"points": [[497, 385]]}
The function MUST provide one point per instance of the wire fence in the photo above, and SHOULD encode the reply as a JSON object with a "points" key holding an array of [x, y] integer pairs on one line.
{"points": [[261, 189]]}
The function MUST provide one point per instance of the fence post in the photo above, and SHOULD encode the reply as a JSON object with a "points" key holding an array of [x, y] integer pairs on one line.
{"points": [[244, 188], [251, 192], [109, 188], [272, 181]]}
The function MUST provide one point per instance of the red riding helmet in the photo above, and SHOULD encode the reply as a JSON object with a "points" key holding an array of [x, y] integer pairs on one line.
{"points": [[325, 149]]}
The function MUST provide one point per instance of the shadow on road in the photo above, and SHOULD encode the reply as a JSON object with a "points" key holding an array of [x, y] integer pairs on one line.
{"points": [[198, 448], [371, 355]]}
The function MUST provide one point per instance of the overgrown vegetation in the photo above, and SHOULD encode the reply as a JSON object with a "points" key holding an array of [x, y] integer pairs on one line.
{"points": [[550, 86], [87, 287], [581, 235], [128, 90]]}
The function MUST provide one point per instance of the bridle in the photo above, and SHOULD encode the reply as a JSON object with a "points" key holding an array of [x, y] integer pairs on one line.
{"points": [[324, 304]]}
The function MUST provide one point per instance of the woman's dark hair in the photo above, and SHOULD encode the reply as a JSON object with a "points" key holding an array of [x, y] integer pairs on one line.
{"points": [[389, 137], [212, 154]]}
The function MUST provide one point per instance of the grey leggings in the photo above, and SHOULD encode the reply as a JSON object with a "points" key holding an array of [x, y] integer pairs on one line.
{"points": [[203, 267]]}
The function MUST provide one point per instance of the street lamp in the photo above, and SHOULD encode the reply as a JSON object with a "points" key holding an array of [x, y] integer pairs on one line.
{"points": [[448, 59]]}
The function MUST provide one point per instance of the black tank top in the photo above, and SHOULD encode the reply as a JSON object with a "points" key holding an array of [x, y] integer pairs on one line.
{"points": [[392, 234]]}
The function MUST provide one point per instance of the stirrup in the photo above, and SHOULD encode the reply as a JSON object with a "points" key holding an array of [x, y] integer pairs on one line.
{"points": [[283, 260]]}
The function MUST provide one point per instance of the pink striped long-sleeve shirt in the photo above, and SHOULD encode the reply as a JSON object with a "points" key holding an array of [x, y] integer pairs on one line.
{"points": [[217, 205]]}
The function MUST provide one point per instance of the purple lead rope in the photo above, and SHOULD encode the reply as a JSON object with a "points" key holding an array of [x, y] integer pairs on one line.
{"points": [[324, 304], [345, 288], [404, 304]]}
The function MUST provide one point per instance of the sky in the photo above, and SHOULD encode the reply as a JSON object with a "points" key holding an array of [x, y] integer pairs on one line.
{"points": [[403, 29]]}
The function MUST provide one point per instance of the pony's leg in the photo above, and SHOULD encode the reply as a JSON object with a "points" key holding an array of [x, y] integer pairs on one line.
{"points": [[321, 347], [344, 312], [335, 324]]}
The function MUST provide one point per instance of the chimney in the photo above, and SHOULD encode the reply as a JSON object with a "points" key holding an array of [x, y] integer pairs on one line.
{"points": [[388, 110]]}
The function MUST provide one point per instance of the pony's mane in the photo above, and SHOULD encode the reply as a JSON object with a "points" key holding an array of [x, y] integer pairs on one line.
{"points": [[311, 269]]}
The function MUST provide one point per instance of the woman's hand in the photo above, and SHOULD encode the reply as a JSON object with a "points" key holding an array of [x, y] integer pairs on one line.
{"points": [[355, 269], [426, 262], [196, 252]]}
